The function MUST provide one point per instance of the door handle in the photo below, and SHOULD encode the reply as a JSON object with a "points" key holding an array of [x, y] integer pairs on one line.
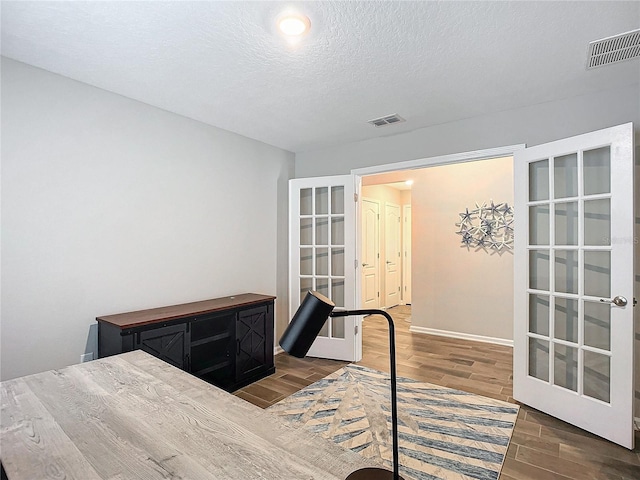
{"points": [[365, 265], [618, 301], [388, 262]]}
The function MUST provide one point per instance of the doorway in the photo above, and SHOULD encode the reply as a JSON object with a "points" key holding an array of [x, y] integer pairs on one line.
{"points": [[386, 242], [435, 264]]}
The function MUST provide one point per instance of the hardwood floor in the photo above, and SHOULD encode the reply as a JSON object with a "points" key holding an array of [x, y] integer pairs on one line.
{"points": [[541, 448]]}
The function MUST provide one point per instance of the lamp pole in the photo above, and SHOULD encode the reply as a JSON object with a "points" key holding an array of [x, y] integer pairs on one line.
{"points": [[392, 366]]}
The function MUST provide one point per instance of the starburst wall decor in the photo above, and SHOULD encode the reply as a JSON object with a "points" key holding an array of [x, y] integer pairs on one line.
{"points": [[487, 227]]}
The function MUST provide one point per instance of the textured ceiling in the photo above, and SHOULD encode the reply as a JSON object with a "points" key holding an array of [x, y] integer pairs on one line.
{"points": [[222, 62]]}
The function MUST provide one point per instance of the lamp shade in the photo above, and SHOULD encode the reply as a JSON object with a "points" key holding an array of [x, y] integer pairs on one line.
{"points": [[306, 324]]}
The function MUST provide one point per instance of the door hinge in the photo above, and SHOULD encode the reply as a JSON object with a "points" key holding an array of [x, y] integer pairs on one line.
{"points": [[378, 294], [356, 330], [355, 197], [355, 264], [635, 302]]}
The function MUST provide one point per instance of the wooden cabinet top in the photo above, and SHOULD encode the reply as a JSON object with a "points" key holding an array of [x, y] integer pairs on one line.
{"points": [[153, 315]]}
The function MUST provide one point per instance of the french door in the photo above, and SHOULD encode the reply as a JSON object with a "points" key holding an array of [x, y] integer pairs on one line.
{"points": [[322, 257], [573, 258]]}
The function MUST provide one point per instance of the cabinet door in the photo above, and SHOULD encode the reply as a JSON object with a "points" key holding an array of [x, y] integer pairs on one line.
{"points": [[167, 343], [254, 341]]}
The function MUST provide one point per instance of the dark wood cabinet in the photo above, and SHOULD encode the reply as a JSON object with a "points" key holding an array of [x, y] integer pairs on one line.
{"points": [[225, 341]]}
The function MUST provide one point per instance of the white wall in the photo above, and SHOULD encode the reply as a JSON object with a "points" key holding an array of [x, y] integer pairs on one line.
{"points": [[532, 125], [456, 289], [110, 205]]}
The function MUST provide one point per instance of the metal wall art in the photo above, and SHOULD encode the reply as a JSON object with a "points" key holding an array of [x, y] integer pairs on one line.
{"points": [[487, 227]]}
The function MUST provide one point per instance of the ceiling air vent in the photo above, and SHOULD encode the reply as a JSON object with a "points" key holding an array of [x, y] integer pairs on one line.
{"points": [[614, 49], [388, 120]]}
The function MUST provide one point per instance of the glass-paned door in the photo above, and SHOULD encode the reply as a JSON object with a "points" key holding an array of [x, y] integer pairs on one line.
{"points": [[573, 331], [322, 224]]}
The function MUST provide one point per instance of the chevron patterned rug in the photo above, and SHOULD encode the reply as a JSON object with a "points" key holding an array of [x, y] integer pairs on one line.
{"points": [[443, 433]]}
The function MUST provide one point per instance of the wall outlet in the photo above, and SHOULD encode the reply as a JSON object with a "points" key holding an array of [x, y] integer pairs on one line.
{"points": [[86, 357]]}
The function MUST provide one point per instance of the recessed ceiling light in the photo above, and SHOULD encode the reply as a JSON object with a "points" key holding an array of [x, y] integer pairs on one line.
{"points": [[409, 182], [293, 25]]}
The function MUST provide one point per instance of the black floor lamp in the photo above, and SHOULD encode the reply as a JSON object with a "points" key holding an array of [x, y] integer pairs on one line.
{"points": [[301, 333]]}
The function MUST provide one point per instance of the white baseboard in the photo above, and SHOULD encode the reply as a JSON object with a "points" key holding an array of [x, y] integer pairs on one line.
{"points": [[464, 336], [278, 349]]}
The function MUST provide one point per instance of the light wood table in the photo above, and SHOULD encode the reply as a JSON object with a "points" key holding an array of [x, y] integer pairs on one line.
{"points": [[134, 416]]}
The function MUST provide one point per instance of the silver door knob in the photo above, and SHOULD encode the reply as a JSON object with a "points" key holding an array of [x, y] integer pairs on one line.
{"points": [[618, 301]]}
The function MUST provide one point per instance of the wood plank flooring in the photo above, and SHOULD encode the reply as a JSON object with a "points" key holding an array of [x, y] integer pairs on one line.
{"points": [[541, 448]]}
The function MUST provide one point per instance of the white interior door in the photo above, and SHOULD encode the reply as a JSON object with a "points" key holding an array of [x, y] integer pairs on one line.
{"points": [[322, 228], [406, 257], [573, 331], [370, 219], [392, 254]]}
